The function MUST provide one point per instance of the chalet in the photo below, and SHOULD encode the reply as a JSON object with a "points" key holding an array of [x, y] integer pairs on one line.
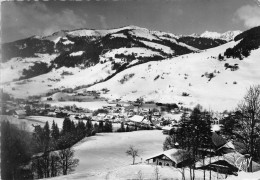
{"points": [[214, 121], [172, 157], [61, 113], [52, 114], [20, 114], [167, 130], [229, 163], [137, 120], [157, 114], [100, 117], [217, 164]]}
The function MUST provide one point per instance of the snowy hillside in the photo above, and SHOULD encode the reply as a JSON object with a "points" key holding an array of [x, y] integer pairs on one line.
{"points": [[67, 59], [13, 69], [133, 62], [188, 80]]}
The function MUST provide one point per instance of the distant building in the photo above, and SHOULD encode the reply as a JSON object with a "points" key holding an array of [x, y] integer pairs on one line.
{"points": [[137, 120], [20, 114], [167, 130]]}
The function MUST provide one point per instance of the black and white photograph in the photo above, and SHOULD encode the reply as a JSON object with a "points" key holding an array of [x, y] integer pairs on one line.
{"points": [[130, 90]]}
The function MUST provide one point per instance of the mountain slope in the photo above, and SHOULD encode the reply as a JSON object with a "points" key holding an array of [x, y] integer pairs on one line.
{"points": [[133, 62], [84, 48], [187, 80]]}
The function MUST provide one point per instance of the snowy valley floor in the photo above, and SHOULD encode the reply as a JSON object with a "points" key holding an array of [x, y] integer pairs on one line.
{"points": [[103, 157]]}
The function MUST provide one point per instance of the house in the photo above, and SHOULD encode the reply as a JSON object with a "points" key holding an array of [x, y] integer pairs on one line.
{"points": [[172, 157], [100, 117], [52, 114], [217, 164], [136, 119], [167, 130], [156, 114], [214, 121], [229, 163], [20, 114]]}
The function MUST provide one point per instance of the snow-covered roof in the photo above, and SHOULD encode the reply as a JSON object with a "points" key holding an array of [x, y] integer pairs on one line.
{"points": [[20, 112], [101, 115], [176, 155], [234, 158], [146, 121], [78, 53], [136, 118], [167, 128], [228, 145]]}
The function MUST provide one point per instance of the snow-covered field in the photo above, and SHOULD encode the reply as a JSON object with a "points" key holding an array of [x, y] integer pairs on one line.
{"points": [[92, 105], [103, 157], [245, 176], [104, 153], [107, 150], [140, 171]]}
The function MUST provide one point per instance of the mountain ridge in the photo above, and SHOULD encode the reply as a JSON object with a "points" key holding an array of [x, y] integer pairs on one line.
{"points": [[228, 35]]}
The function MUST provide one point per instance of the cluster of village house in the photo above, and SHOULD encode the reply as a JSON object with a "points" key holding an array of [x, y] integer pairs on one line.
{"points": [[225, 157], [132, 113]]}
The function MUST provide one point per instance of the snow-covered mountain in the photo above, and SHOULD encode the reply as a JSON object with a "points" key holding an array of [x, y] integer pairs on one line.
{"points": [[133, 62], [126, 46], [228, 36]]}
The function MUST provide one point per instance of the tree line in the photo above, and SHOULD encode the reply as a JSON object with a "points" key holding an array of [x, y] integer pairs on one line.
{"points": [[44, 153]]}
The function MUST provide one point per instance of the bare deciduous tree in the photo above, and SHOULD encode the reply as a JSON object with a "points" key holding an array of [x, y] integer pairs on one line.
{"points": [[250, 114], [132, 152], [67, 161]]}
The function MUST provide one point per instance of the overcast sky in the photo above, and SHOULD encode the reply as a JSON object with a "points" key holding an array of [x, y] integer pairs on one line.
{"points": [[23, 19]]}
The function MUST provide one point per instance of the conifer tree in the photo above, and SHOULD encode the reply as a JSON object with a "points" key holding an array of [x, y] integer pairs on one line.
{"points": [[66, 126], [101, 126], [89, 125], [55, 131], [14, 152], [127, 129], [122, 127]]}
